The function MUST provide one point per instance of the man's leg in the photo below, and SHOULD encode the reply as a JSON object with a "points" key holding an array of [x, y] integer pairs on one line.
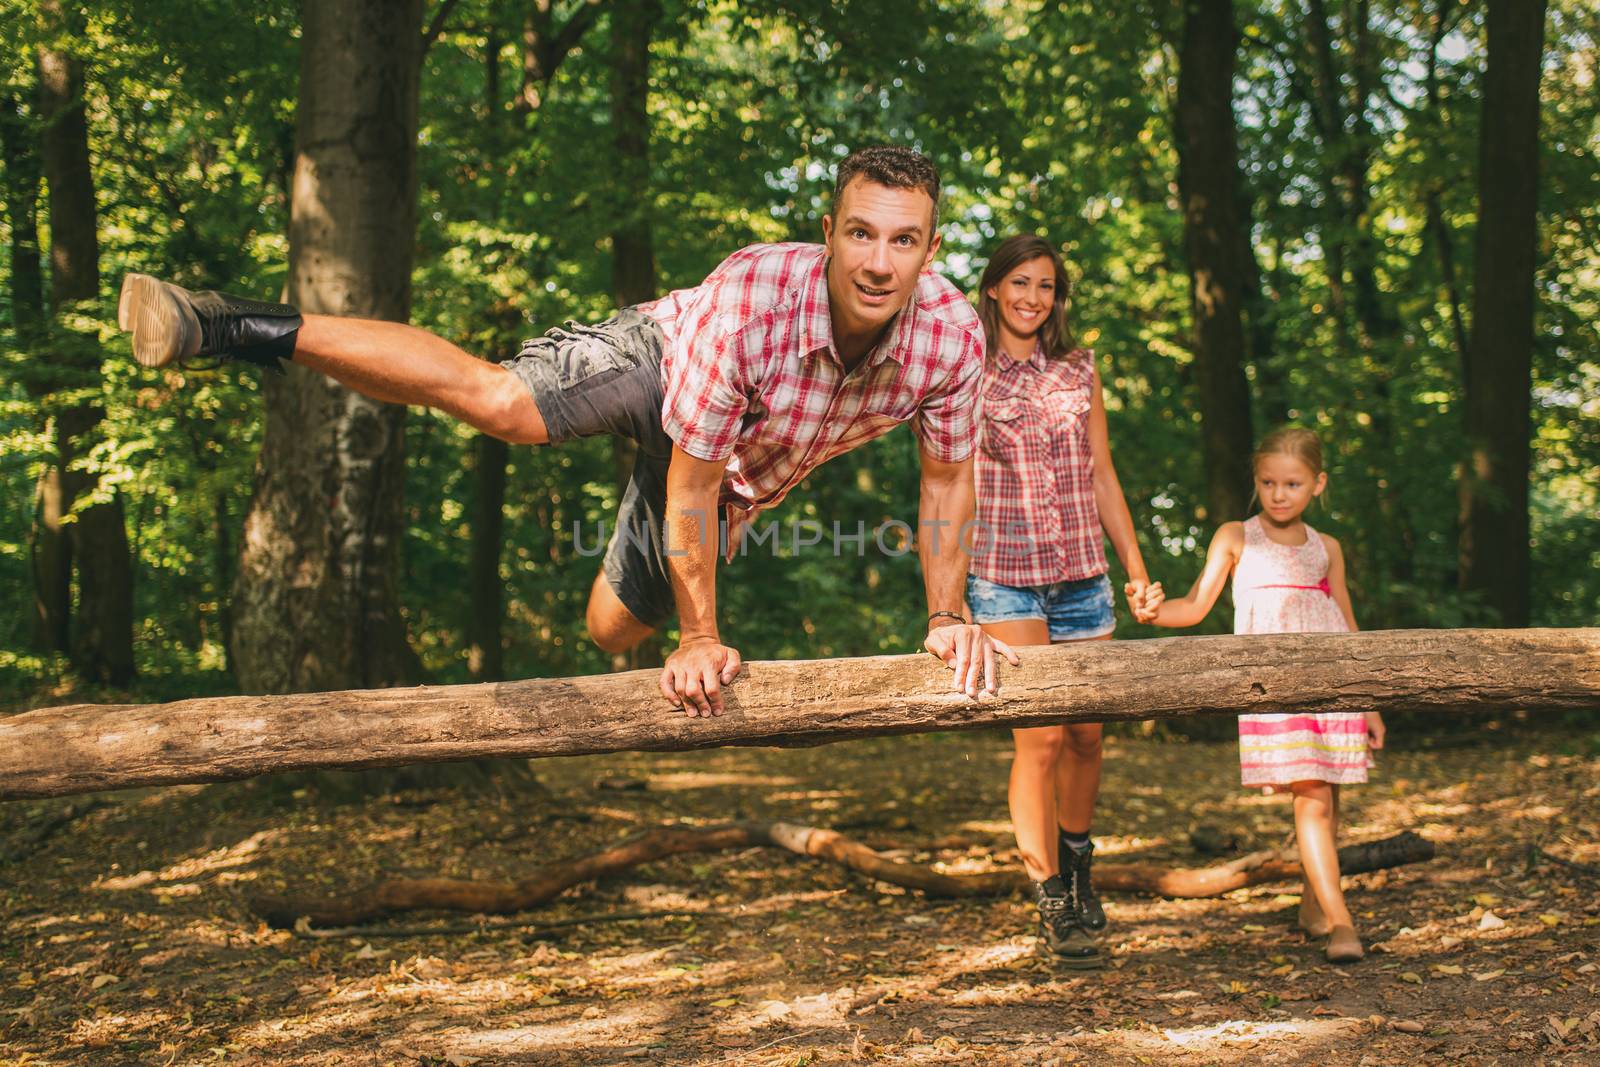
{"points": [[403, 364], [611, 625], [387, 361]]}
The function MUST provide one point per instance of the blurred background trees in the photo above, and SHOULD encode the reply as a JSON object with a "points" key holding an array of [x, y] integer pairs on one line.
{"points": [[1377, 219]]}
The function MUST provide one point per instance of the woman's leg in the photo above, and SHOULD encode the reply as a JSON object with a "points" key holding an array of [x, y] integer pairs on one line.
{"points": [[1078, 773], [1032, 796], [1032, 792]]}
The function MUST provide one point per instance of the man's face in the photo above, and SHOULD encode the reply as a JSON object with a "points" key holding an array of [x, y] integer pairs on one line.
{"points": [[879, 239]]}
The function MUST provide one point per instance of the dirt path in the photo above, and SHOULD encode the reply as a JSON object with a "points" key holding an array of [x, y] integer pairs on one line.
{"points": [[125, 940]]}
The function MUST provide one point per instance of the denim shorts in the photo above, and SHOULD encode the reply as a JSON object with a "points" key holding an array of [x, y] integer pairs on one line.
{"points": [[1074, 610], [606, 379]]}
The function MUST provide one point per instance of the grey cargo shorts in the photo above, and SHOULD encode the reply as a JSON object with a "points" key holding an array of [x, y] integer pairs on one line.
{"points": [[606, 379]]}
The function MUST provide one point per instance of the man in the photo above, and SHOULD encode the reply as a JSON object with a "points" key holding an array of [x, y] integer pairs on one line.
{"points": [[786, 356]]}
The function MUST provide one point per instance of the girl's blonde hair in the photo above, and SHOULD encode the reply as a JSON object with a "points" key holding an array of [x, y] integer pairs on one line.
{"points": [[1290, 441]]}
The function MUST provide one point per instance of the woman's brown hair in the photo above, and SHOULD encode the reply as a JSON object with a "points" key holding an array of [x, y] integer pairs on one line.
{"points": [[1055, 334]]}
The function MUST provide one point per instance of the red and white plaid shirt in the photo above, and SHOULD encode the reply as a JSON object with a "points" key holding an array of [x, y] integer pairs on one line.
{"points": [[751, 374], [1037, 519]]}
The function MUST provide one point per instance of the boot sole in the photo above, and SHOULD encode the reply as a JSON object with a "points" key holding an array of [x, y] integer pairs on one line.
{"points": [[1078, 963], [162, 332]]}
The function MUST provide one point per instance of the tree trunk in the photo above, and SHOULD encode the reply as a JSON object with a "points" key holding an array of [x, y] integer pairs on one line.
{"points": [[49, 554], [102, 639], [544, 47], [486, 602], [633, 253], [1344, 123], [84, 748], [316, 602], [1494, 482], [22, 175], [1208, 179]]}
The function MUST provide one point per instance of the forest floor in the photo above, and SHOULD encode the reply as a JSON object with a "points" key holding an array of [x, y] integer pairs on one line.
{"points": [[125, 937]]}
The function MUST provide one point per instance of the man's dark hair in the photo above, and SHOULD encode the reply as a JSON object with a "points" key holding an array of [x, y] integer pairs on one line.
{"points": [[891, 165]]}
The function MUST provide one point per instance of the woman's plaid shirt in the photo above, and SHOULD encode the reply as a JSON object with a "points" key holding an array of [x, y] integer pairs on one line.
{"points": [[1037, 519]]}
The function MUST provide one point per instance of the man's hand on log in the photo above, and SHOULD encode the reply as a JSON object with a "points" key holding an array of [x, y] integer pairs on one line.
{"points": [[695, 674], [968, 651]]}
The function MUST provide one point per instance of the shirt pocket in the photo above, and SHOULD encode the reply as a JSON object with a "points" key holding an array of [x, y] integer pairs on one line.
{"points": [[1005, 428], [1067, 416]]}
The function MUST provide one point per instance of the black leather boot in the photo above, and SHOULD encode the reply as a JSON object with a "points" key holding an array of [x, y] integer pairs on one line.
{"points": [[171, 323], [1076, 865]]}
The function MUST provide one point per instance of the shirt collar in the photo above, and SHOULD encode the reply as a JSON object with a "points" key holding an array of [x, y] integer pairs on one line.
{"points": [[1035, 358], [816, 327]]}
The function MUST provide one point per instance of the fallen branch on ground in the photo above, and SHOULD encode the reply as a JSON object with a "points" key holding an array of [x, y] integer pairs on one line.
{"points": [[503, 898], [311, 933]]}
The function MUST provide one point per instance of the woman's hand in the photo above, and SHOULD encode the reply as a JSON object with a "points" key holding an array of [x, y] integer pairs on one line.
{"points": [[1144, 599]]}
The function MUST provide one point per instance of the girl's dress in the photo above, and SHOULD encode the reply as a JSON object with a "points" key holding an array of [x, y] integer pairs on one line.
{"points": [[1280, 589]]}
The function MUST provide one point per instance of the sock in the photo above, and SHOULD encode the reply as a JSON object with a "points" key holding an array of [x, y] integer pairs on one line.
{"points": [[1076, 842], [1052, 886]]}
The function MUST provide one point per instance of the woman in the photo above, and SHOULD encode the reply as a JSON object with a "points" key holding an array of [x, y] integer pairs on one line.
{"points": [[1046, 490]]}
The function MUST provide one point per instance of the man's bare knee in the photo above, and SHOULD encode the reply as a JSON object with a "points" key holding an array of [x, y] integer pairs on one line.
{"points": [[612, 627]]}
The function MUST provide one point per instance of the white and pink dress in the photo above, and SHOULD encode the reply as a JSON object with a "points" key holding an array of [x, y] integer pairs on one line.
{"points": [[1283, 589]]}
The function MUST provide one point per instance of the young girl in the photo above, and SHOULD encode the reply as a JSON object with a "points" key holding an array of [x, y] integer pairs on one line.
{"points": [[1287, 578], [1048, 496]]}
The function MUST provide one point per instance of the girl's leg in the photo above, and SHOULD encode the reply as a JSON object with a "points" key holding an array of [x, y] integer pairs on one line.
{"points": [[1311, 919], [1314, 807]]}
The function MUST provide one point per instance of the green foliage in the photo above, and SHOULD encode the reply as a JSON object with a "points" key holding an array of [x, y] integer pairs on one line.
{"points": [[1053, 118]]}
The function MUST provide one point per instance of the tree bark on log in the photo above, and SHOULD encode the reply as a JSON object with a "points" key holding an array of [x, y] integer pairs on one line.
{"points": [[84, 748], [504, 898]]}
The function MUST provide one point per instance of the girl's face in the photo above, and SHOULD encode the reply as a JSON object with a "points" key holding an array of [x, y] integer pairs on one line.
{"points": [[1286, 486], [1026, 296]]}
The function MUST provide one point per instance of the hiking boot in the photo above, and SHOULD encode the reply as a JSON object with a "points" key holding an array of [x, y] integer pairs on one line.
{"points": [[1065, 936], [1075, 865], [171, 323]]}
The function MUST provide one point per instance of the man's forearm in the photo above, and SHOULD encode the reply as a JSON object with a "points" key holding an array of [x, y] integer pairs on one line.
{"points": [[944, 523], [691, 529]]}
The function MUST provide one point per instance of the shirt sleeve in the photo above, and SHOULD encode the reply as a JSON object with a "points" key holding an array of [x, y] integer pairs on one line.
{"points": [[945, 423], [707, 393]]}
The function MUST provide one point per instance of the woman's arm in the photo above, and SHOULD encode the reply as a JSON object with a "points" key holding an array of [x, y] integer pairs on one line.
{"points": [[1336, 586], [1115, 518], [1220, 559]]}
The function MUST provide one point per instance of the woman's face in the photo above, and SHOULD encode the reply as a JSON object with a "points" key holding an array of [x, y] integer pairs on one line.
{"points": [[1025, 297]]}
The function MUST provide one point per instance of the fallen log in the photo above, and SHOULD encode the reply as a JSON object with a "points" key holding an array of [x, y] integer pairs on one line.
{"points": [[504, 898], [83, 748]]}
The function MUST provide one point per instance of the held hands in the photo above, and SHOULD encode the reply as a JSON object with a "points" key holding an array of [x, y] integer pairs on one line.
{"points": [[695, 674], [1375, 730], [968, 651], [1144, 599]]}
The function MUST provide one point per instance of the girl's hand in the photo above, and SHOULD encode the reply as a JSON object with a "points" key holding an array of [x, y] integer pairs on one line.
{"points": [[1375, 730], [1154, 597]]}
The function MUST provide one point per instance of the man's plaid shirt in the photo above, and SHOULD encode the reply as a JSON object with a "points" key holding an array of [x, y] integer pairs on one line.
{"points": [[751, 374]]}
